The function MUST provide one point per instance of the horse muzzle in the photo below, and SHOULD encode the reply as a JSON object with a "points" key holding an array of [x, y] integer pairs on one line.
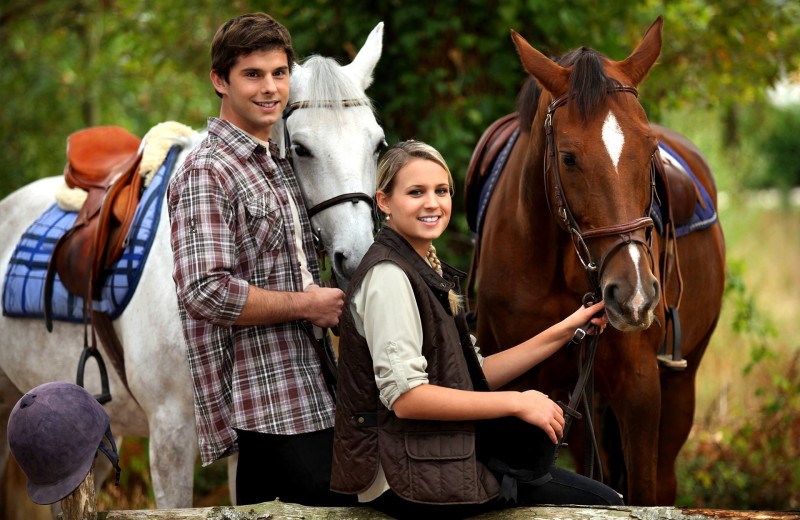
{"points": [[630, 306]]}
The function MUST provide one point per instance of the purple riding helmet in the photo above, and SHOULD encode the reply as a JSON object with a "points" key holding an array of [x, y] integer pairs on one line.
{"points": [[54, 432]]}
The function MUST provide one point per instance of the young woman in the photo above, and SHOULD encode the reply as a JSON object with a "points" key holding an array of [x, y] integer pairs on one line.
{"points": [[417, 430]]}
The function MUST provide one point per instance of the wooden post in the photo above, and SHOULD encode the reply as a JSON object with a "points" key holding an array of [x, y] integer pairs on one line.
{"points": [[81, 504]]}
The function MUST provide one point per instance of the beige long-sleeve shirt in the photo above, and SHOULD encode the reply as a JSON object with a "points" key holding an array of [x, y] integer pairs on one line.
{"points": [[386, 315]]}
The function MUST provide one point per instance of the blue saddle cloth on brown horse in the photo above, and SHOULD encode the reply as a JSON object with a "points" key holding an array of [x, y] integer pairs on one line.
{"points": [[705, 214]]}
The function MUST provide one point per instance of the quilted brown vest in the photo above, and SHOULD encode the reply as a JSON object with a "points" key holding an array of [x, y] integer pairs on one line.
{"points": [[430, 462]]}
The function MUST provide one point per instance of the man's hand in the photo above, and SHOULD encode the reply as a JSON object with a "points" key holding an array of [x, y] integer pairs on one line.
{"points": [[326, 305]]}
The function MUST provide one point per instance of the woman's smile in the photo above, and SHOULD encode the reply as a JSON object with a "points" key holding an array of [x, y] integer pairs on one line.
{"points": [[419, 205]]}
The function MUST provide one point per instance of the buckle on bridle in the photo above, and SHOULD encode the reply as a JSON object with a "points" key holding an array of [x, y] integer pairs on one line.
{"points": [[578, 336]]}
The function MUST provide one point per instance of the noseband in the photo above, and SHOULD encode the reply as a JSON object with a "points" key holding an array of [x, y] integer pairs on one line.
{"points": [[623, 231], [338, 199]]}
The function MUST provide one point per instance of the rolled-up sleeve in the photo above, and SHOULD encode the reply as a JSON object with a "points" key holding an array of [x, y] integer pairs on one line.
{"points": [[204, 249], [386, 314]]}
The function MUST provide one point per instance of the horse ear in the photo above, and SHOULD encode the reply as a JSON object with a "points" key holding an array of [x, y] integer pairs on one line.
{"points": [[638, 64], [364, 63], [551, 76]]}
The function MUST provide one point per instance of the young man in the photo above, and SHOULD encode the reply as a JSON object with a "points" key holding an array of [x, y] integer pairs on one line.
{"points": [[247, 281]]}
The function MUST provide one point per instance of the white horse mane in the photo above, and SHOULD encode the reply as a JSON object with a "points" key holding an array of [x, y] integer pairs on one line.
{"points": [[328, 83]]}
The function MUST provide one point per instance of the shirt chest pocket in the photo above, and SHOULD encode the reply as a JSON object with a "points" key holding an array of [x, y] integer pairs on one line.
{"points": [[265, 222]]}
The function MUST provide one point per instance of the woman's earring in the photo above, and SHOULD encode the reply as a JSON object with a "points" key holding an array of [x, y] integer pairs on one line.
{"points": [[388, 218]]}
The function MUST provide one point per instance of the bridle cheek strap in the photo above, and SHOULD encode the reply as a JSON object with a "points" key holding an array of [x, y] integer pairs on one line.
{"points": [[566, 219], [338, 199]]}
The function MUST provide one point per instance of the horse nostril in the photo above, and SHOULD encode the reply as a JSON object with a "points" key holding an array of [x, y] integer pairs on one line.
{"points": [[338, 261], [610, 296]]}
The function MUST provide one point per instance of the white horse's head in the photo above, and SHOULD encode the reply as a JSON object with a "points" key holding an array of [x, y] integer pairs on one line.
{"points": [[334, 141]]}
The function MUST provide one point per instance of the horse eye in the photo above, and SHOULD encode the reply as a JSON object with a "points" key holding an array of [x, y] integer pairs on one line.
{"points": [[301, 151], [381, 146], [568, 159]]}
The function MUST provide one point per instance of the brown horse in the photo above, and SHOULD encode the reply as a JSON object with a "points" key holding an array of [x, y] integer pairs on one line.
{"points": [[577, 191]]}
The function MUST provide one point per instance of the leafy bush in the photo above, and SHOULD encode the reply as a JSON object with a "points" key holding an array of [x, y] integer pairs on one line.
{"points": [[749, 463], [777, 138], [752, 465]]}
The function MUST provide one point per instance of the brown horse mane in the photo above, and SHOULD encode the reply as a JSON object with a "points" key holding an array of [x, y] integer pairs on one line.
{"points": [[528, 102], [588, 85]]}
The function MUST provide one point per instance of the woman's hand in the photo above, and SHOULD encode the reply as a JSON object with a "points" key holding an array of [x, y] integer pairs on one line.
{"points": [[539, 410], [586, 314]]}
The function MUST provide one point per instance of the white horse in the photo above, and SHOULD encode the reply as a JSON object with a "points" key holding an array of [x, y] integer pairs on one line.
{"points": [[334, 139]]}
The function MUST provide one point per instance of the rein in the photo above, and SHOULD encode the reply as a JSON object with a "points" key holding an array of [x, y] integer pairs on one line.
{"points": [[625, 235]]}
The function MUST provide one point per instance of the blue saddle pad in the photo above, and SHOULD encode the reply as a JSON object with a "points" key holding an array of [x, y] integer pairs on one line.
{"points": [[23, 289], [705, 214], [488, 188]]}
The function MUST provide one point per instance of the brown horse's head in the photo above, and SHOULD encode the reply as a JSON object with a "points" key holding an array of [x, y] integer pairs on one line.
{"points": [[598, 149]]}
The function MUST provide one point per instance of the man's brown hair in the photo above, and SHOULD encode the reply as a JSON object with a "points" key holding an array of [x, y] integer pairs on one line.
{"points": [[245, 34]]}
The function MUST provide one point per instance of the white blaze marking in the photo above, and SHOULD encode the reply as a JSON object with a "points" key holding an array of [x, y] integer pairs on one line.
{"points": [[613, 138], [638, 296]]}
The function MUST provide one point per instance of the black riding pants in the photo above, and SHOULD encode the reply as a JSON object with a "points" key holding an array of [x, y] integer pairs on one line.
{"points": [[521, 457], [293, 468], [566, 487]]}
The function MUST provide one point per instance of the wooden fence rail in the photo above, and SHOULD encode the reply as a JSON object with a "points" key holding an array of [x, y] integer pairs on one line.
{"points": [[82, 505], [285, 511]]}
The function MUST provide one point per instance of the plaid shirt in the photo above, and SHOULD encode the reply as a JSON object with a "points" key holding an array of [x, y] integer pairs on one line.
{"points": [[227, 206]]}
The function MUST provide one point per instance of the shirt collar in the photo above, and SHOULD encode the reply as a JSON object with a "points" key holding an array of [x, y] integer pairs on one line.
{"points": [[242, 143]]}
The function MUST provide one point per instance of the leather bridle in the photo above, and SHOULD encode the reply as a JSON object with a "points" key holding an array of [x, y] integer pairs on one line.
{"points": [[354, 197], [625, 235], [338, 199], [624, 231], [329, 365]]}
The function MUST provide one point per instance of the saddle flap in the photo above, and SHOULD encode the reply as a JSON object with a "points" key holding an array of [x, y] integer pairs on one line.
{"points": [[678, 190], [480, 165], [97, 238], [94, 154]]}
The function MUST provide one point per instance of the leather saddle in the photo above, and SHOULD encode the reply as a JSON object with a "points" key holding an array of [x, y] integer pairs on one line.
{"points": [[486, 151], [103, 161], [676, 190]]}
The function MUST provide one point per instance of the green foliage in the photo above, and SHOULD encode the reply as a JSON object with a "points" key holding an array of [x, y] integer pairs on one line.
{"points": [[71, 64], [752, 465], [749, 462], [448, 68], [718, 54], [777, 137], [747, 321]]}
